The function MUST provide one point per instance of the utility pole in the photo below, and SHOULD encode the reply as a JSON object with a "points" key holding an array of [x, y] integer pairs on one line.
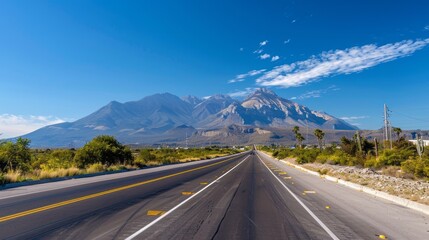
{"points": [[306, 121], [387, 126], [386, 137]]}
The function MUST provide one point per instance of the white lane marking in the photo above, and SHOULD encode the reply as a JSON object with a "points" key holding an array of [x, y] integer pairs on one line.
{"points": [[333, 236], [180, 204]]}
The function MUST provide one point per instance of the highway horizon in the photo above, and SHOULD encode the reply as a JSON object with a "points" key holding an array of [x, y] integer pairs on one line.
{"points": [[243, 196]]}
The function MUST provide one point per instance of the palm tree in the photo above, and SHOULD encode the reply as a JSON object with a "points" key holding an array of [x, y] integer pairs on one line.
{"points": [[300, 139], [398, 132], [296, 131], [319, 135]]}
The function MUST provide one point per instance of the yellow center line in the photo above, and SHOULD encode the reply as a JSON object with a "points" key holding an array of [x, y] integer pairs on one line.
{"points": [[94, 195]]}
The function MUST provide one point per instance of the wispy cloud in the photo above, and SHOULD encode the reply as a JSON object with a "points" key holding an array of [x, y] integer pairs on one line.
{"points": [[337, 62], [242, 77], [241, 49], [287, 41], [259, 51], [427, 28], [17, 125], [264, 56], [275, 58], [293, 21], [241, 93], [263, 43], [316, 93], [354, 120]]}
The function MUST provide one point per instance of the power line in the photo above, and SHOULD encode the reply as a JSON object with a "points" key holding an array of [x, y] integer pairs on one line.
{"points": [[411, 117]]}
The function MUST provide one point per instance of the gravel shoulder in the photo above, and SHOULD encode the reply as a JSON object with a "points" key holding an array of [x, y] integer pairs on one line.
{"points": [[415, 190]]}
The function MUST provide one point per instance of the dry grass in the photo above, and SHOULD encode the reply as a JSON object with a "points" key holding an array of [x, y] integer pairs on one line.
{"points": [[18, 176], [13, 176], [209, 156], [95, 168], [57, 173]]}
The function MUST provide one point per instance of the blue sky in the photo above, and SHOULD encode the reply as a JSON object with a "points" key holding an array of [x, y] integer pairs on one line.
{"points": [[62, 60]]}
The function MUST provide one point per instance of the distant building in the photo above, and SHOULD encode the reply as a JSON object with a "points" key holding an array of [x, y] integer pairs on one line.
{"points": [[425, 142]]}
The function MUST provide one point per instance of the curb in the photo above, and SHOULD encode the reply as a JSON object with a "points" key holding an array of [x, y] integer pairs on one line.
{"points": [[386, 196]]}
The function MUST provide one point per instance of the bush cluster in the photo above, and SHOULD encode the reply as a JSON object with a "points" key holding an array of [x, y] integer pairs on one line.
{"points": [[403, 155], [103, 153]]}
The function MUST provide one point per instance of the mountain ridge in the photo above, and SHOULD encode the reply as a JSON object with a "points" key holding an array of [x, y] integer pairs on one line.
{"points": [[164, 116]]}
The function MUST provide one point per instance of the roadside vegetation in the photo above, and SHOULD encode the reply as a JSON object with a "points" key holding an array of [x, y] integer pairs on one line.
{"points": [[18, 162], [402, 160]]}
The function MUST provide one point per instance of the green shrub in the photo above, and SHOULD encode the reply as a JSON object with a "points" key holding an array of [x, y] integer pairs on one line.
{"points": [[105, 150], [418, 167], [307, 155]]}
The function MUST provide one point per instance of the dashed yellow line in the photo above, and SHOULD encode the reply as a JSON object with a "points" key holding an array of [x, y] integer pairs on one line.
{"points": [[203, 183], [155, 212], [187, 193], [309, 191], [94, 195]]}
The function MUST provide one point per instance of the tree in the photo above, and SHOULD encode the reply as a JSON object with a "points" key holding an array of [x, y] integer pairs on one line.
{"points": [[15, 156], [295, 130], [105, 150], [398, 132], [319, 135], [299, 138]]}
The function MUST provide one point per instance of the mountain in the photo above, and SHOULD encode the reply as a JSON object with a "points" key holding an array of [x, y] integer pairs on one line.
{"points": [[167, 118], [210, 106], [265, 108], [191, 100]]}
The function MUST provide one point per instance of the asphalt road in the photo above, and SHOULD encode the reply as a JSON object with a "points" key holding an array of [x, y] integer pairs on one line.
{"points": [[248, 196]]}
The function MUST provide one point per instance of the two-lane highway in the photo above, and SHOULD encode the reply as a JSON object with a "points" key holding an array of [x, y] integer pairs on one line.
{"points": [[247, 196]]}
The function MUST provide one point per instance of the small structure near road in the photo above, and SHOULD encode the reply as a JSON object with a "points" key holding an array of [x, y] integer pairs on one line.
{"points": [[425, 142]]}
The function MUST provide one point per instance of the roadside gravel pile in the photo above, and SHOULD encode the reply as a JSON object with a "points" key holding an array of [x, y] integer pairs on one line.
{"points": [[416, 190]]}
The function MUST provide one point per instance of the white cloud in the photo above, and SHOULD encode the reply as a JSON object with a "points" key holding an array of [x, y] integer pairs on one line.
{"points": [[275, 58], [241, 77], [241, 49], [264, 56], [353, 118], [242, 93], [287, 41], [263, 43], [337, 62], [17, 125], [293, 21], [258, 51], [316, 93], [427, 28]]}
